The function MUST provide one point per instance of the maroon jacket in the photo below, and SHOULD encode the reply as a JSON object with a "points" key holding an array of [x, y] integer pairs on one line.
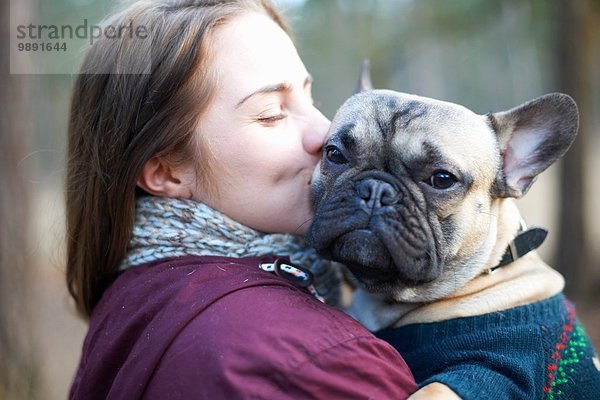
{"points": [[221, 328]]}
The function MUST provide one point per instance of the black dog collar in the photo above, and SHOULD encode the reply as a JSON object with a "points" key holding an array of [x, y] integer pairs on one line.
{"points": [[525, 241]]}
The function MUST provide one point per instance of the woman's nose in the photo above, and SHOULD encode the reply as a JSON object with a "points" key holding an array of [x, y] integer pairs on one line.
{"points": [[315, 133]]}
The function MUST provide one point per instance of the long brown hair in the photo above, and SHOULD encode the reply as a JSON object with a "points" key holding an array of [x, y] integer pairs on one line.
{"points": [[134, 99]]}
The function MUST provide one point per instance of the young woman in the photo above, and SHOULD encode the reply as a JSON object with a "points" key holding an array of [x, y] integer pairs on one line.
{"points": [[187, 183]]}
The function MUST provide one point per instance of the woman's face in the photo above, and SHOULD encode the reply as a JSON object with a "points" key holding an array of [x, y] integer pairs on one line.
{"points": [[262, 128]]}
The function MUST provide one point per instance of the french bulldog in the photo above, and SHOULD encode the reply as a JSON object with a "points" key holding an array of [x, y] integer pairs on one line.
{"points": [[416, 197]]}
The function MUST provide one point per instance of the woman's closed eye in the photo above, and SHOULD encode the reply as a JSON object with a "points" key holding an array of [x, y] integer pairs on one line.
{"points": [[271, 117]]}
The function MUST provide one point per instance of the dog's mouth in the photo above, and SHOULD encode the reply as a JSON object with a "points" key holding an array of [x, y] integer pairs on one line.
{"points": [[362, 248], [370, 260]]}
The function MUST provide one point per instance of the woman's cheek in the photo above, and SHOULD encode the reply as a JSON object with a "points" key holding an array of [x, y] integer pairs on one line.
{"points": [[279, 168]]}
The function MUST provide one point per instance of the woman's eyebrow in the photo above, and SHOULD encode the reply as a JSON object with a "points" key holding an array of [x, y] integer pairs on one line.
{"points": [[276, 87]]}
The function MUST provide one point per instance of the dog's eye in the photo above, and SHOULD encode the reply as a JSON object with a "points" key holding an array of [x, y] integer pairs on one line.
{"points": [[442, 180], [334, 155]]}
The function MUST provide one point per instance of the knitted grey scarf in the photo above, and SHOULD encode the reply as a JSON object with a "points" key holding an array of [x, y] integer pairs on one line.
{"points": [[166, 228]]}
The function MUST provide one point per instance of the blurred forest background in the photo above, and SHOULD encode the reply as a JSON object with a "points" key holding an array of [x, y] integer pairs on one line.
{"points": [[486, 54]]}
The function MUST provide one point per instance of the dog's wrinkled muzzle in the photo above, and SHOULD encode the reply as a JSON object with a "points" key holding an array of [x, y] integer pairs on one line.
{"points": [[377, 225]]}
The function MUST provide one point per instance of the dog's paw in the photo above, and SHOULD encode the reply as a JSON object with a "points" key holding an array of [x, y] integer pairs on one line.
{"points": [[434, 391]]}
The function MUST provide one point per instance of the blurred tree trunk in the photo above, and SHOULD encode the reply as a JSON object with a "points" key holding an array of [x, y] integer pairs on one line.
{"points": [[17, 369], [577, 40]]}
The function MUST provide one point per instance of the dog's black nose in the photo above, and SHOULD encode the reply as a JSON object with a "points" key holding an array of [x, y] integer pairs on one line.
{"points": [[376, 193]]}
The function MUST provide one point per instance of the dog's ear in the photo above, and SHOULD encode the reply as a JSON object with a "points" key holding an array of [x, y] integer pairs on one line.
{"points": [[532, 137], [364, 80]]}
